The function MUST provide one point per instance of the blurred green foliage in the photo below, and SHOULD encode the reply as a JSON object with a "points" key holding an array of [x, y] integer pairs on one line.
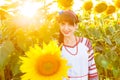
{"points": [[104, 33]]}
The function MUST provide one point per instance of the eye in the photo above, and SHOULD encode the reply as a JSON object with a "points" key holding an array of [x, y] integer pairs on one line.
{"points": [[62, 23], [71, 24]]}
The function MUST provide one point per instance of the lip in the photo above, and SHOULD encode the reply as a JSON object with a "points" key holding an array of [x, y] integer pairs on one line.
{"points": [[66, 32]]}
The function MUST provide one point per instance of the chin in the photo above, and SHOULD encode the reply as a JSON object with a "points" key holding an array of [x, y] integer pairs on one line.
{"points": [[66, 35]]}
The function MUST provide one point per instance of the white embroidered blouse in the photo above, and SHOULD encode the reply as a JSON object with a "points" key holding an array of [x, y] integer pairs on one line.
{"points": [[80, 58]]}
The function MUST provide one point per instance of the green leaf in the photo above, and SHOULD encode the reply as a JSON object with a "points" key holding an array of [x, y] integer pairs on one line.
{"points": [[15, 63], [116, 72], [104, 63], [110, 30], [107, 40], [101, 60], [6, 49], [116, 37]]}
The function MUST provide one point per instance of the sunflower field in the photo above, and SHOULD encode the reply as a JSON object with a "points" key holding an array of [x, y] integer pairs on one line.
{"points": [[24, 23]]}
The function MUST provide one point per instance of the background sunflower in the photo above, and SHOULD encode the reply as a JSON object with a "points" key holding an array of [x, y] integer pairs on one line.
{"points": [[100, 7], [88, 5], [65, 4], [117, 3], [111, 9]]}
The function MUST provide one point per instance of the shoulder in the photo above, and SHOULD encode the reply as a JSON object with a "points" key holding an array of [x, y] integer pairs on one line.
{"points": [[86, 42], [83, 40]]}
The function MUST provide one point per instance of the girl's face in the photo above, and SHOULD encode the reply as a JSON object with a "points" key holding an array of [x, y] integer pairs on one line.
{"points": [[67, 29]]}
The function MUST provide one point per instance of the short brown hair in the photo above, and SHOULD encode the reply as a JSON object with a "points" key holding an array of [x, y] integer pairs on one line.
{"points": [[68, 16]]}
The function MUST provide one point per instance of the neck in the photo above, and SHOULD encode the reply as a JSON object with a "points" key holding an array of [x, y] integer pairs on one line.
{"points": [[70, 41]]}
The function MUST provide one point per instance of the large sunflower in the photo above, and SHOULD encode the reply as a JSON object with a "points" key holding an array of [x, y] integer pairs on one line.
{"points": [[44, 63]]}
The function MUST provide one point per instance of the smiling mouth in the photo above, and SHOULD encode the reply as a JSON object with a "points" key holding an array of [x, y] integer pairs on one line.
{"points": [[66, 32]]}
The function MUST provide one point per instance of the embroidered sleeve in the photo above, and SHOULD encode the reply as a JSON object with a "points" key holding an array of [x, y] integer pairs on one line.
{"points": [[93, 75]]}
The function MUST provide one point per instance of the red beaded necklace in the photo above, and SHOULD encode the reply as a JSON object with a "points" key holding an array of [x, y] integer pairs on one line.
{"points": [[76, 49]]}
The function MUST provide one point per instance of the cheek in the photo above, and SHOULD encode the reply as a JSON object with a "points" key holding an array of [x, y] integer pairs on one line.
{"points": [[61, 29], [74, 29]]}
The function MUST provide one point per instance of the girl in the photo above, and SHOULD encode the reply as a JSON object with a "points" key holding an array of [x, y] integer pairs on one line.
{"points": [[77, 50]]}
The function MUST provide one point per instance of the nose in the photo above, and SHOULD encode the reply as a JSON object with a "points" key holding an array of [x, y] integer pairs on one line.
{"points": [[66, 26]]}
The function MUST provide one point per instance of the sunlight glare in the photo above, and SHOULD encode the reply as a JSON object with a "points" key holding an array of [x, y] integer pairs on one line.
{"points": [[115, 16], [29, 9], [2, 2], [53, 8], [94, 3], [109, 1], [77, 5], [49, 1], [92, 17]]}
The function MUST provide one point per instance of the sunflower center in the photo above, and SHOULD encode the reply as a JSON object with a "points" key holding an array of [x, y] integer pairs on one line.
{"points": [[48, 65]]}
